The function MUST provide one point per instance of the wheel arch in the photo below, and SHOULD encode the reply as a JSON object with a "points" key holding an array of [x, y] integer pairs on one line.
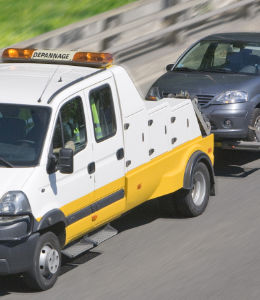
{"points": [[195, 158], [54, 221], [255, 101]]}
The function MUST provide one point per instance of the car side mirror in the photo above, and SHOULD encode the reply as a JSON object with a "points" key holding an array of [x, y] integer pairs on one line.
{"points": [[65, 164], [169, 67]]}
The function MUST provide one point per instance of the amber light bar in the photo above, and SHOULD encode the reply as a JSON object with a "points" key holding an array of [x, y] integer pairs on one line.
{"points": [[91, 59], [17, 53]]}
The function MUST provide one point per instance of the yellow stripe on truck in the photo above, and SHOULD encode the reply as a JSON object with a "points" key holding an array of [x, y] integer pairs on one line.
{"points": [[86, 224], [163, 174]]}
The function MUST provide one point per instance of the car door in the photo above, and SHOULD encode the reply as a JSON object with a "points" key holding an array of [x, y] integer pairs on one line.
{"points": [[108, 150]]}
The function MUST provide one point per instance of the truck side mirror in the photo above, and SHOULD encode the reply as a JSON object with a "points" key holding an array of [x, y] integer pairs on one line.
{"points": [[66, 161], [52, 164], [169, 67]]}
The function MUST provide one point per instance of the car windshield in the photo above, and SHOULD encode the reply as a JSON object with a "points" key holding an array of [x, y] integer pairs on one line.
{"points": [[22, 132], [222, 57]]}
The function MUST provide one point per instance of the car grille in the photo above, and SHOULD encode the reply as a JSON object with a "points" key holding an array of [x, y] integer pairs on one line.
{"points": [[204, 99]]}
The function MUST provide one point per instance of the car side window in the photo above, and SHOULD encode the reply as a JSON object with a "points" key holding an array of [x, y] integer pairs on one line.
{"points": [[103, 113], [70, 129]]}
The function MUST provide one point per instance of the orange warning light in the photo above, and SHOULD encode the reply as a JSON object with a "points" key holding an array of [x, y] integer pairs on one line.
{"points": [[90, 59], [17, 53], [99, 59]]}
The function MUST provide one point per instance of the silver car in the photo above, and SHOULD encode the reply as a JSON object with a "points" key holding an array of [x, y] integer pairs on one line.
{"points": [[222, 72]]}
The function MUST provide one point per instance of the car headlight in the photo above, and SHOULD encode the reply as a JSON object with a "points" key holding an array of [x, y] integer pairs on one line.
{"points": [[14, 203], [231, 97]]}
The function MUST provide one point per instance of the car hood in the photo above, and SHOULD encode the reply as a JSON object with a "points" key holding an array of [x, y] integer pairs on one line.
{"points": [[13, 179], [198, 83]]}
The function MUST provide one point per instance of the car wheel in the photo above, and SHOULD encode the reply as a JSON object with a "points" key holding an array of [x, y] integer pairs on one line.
{"points": [[193, 202], [46, 263], [254, 131]]}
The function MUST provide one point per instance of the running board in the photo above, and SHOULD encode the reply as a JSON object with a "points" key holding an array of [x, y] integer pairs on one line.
{"points": [[89, 241], [239, 145]]}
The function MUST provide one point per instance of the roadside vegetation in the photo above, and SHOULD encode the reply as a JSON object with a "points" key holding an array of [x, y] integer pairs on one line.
{"points": [[21, 20]]}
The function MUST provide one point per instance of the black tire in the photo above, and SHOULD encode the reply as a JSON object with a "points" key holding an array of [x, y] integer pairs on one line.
{"points": [[191, 203], [254, 121], [46, 263]]}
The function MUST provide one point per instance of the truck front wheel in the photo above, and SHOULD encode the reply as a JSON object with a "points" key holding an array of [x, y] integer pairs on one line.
{"points": [[46, 263], [193, 202]]}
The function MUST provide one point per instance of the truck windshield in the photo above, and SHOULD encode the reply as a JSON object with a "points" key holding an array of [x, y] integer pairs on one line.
{"points": [[222, 57], [22, 132]]}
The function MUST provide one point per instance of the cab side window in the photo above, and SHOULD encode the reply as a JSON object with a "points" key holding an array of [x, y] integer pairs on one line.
{"points": [[103, 113], [70, 129]]}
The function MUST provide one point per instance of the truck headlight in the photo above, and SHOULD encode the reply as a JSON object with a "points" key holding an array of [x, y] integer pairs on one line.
{"points": [[230, 97], [14, 203]]}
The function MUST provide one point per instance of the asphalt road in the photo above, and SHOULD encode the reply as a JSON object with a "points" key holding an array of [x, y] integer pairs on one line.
{"points": [[213, 256]]}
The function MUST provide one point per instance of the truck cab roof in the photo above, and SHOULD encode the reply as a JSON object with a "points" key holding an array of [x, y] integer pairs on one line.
{"points": [[26, 83]]}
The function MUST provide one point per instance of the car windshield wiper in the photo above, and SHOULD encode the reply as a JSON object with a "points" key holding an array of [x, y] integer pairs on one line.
{"points": [[215, 70], [5, 163], [184, 69]]}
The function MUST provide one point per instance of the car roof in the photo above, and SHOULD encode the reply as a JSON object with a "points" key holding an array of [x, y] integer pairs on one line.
{"points": [[26, 83], [235, 36]]}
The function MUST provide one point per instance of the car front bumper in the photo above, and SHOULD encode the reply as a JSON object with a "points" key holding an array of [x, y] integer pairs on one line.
{"points": [[228, 121]]}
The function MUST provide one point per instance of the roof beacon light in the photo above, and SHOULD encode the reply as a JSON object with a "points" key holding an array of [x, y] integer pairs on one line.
{"points": [[102, 59], [17, 53], [90, 59]]}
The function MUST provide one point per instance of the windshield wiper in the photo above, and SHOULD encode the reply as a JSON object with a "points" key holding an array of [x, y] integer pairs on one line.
{"points": [[6, 163], [184, 69], [215, 70]]}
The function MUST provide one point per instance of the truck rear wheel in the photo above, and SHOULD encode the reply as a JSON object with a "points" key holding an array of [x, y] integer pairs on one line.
{"points": [[46, 263], [193, 202]]}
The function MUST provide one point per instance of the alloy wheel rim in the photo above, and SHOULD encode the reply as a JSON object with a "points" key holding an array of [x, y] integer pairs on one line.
{"points": [[257, 128], [198, 188]]}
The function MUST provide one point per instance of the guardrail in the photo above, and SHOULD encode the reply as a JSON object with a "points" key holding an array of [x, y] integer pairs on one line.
{"points": [[155, 20], [142, 24], [176, 32]]}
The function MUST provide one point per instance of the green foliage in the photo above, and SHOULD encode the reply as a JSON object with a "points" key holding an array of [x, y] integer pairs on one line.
{"points": [[24, 19]]}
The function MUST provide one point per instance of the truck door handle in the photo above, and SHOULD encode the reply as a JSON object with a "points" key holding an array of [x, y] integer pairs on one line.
{"points": [[91, 168], [120, 153]]}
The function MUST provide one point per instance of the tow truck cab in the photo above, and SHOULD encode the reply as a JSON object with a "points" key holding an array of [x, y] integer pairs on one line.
{"points": [[78, 148]]}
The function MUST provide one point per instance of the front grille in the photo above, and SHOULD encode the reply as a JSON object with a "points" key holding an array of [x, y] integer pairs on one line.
{"points": [[204, 99], [213, 126]]}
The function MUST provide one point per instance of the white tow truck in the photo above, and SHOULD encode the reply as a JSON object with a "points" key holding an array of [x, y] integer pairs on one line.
{"points": [[79, 147]]}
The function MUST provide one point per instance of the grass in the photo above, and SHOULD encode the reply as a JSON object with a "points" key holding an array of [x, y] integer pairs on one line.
{"points": [[24, 19]]}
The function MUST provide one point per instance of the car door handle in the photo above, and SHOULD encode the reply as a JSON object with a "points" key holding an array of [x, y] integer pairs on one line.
{"points": [[120, 154], [91, 168]]}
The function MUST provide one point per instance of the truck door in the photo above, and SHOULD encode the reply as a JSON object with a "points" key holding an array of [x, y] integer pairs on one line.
{"points": [[73, 193], [108, 150]]}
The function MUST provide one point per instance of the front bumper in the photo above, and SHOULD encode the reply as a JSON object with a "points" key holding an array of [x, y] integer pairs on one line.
{"points": [[16, 254], [237, 116]]}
